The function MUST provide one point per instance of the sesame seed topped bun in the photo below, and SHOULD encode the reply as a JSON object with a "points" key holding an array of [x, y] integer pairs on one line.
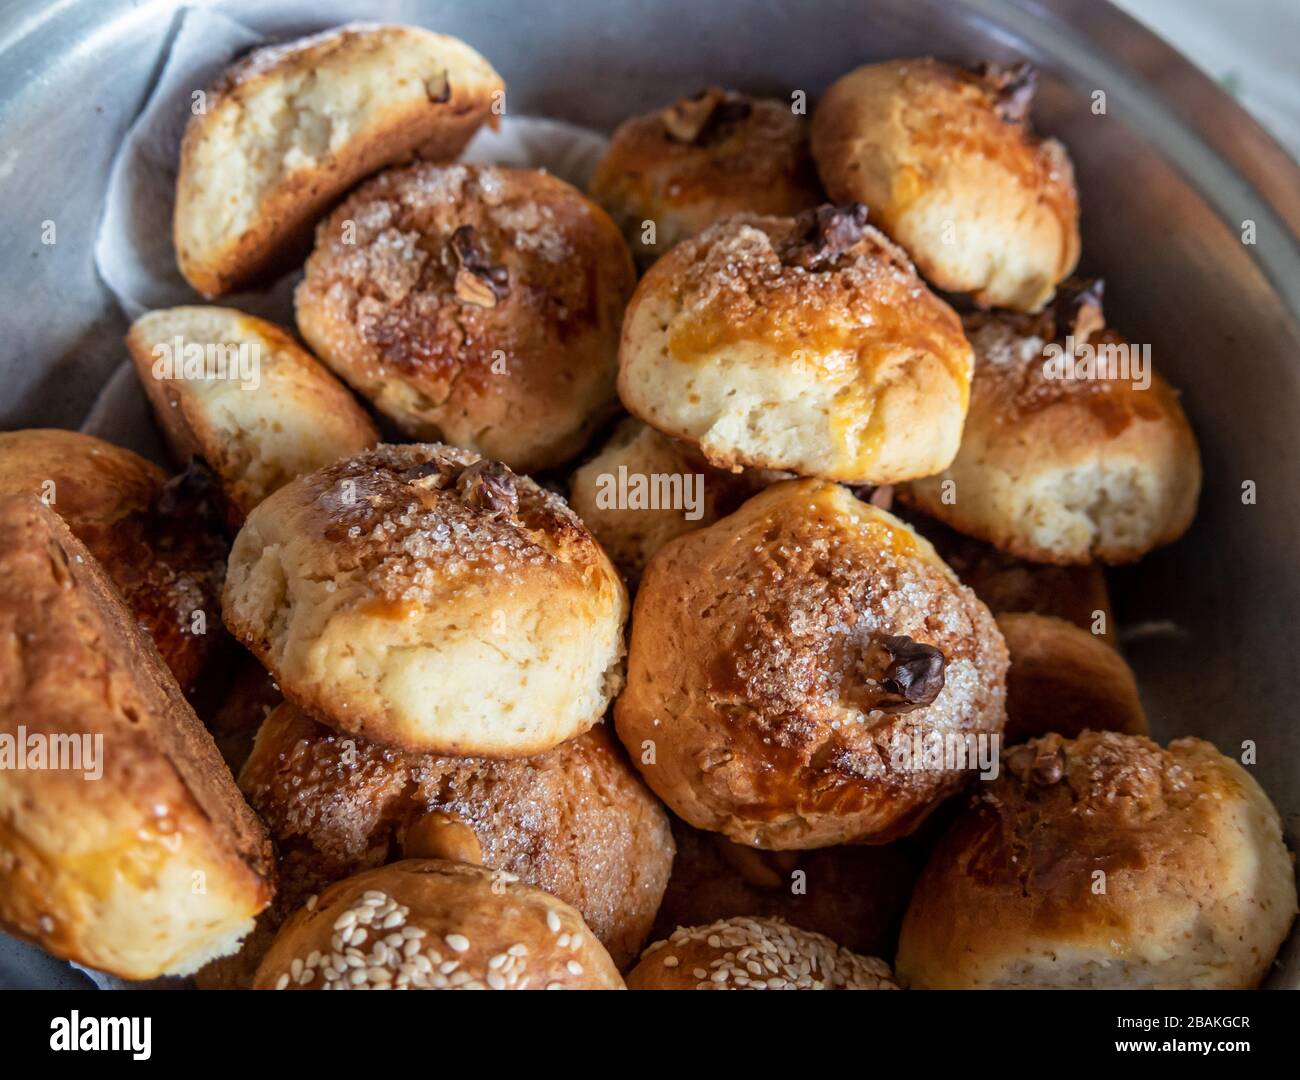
{"points": [[429, 924]]}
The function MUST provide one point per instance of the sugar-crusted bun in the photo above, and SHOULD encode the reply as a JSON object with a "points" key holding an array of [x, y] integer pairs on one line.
{"points": [[786, 661], [755, 954], [126, 845], [260, 410], [701, 159], [478, 305], [289, 128], [951, 169], [161, 541], [855, 894], [427, 598], [806, 344], [1063, 679], [1066, 470], [575, 821], [428, 924], [1104, 862], [643, 489]]}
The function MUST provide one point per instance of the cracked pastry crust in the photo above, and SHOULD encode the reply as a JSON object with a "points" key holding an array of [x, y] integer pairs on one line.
{"points": [[947, 162], [475, 305], [427, 598], [701, 159], [1104, 862], [146, 860], [764, 697], [806, 344], [1064, 471], [288, 129]]}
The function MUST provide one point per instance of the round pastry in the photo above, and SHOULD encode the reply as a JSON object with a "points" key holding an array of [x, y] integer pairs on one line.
{"points": [[162, 542], [1104, 862], [755, 954], [643, 489], [125, 845], [794, 667], [245, 397], [806, 344], [428, 924], [855, 894], [290, 127], [575, 821], [1067, 457], [427, 598], [951, 169], [1065, 680], [476, 305], [699, 160]]}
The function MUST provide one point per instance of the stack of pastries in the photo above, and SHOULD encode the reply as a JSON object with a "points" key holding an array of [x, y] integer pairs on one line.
{"points": [[831, 700]]}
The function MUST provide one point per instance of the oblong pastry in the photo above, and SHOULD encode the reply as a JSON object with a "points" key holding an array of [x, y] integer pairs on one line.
{"points": [[289, 128], [643, 489], [1095, 467], [755, 954], [124, 844], [476, 305], [1063, 679], [162, 542], [789, 664], [427, 598], [701, 159], [241, 394], [1104, 862], [952, 170], [428, 924], [575, 821], [805, 344]]}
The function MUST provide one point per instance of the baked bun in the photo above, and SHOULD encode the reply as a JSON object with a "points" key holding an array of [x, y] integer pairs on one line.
{"points": [[806, 344], [427, 598], [644, 489], [1066, 470], [854, 894], [428, 924], [249, 695], [126, 846], [1065, 680], [245, 397], [161, 541], [755, 954], [476, 305], [701, 159], [289, 128], [786, 662], [1104, 862], [1078, 594], [575, 821], [951, 169]]}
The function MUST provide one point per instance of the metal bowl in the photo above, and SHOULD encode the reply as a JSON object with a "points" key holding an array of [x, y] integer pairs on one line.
{"points": [[1169, 174]]}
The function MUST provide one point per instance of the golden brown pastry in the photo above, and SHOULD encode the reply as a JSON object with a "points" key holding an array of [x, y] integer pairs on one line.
{"points": [[161, 541], [789, 663], [427, 598], [952, 170], [1104, 862], [289, 128], [476, 305], [1097, 466], [245, 397], [807, 344], [428, 924], [755, 954], [703, 158], [1065, 680], [124, 843]]}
